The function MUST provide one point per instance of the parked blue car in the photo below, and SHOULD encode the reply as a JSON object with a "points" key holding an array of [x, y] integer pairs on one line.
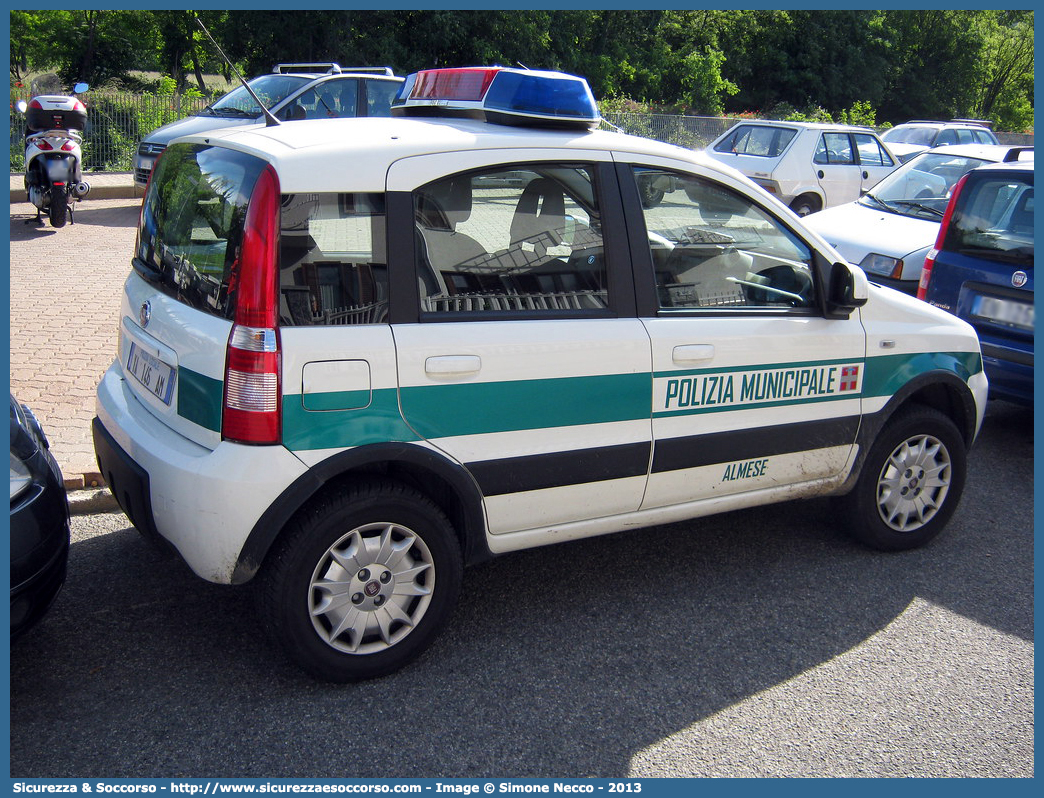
{"points": [[981, 269]]}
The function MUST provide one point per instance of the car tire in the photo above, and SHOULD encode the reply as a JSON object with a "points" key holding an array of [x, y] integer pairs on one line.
{"points": [[910, 483], [361, 582], [803, 206], [651, 195]]}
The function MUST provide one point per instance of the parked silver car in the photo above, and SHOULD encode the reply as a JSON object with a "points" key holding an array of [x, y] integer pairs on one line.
{"points": [[808, 166], [912, 138], [291, 92]]}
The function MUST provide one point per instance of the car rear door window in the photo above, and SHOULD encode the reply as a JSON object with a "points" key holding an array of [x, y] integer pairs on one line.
{"points": [[834, 148], [511, 240]]}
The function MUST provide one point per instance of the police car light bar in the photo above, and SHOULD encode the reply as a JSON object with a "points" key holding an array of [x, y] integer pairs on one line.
{"points": [[500, 95]]}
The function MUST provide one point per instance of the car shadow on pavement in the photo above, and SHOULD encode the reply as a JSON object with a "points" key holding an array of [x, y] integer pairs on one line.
{"points": [[567, 660]]}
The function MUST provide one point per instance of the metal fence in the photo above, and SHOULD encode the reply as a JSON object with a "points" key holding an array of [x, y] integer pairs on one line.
{"points": [[116, 122]]}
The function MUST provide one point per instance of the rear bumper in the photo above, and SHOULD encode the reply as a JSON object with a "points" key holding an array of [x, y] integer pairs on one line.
{"points": [[203, 502], [1010, 372]]}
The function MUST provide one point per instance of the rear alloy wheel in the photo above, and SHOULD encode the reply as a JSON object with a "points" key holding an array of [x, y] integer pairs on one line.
{"points": [[362, 582], [911, 481]]}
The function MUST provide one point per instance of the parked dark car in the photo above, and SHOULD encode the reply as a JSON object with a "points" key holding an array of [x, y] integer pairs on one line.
{"points": [[39, 522], [981, 269]]}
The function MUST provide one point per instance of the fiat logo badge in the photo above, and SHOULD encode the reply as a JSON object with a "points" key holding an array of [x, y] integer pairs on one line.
{"points": [[145, 314], [1019, 279]]}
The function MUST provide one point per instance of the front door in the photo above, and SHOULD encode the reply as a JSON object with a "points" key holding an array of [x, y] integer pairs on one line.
{"points": [[753, 389]]}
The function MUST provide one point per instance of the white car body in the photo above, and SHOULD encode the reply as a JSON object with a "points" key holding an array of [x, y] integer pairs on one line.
{"points": [[806, 166], [403, 345], [912, 138], [888, 239]]}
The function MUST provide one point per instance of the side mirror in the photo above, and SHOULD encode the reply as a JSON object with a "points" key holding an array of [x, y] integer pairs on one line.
{"points": [[848, 290], [22, 106]]}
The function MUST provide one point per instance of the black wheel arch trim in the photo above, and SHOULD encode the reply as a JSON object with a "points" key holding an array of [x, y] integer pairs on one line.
{"points": [[961, 411], [361, 460]]}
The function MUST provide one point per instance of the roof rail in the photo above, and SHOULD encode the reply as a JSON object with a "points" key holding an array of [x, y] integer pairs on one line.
{"points": [[1013, 154], [329, 67], [984, 122], [376, 70]]}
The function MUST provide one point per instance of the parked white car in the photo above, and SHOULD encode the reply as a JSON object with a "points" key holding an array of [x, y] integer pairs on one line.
{"points": [[808, 166], [888, 231], [912, 138]]}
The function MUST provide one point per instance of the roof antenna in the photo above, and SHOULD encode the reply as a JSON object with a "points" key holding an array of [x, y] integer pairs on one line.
{"points": [[270, 118]]}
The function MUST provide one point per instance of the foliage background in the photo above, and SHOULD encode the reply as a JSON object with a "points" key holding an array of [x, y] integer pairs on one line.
{"points": [[876, 67]]}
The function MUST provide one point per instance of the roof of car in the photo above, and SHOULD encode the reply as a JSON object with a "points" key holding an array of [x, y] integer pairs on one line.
{"points": [[987, 152], [932, 123], [806, 125], [1012, 166], [308, 151]]}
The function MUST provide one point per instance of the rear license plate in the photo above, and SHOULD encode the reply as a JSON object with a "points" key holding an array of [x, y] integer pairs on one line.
{"points": [[1006, 311], [153, 373]]}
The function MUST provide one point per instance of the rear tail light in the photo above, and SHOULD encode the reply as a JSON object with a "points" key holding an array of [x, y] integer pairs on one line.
{"points": [[940, 239], [252, 409]]}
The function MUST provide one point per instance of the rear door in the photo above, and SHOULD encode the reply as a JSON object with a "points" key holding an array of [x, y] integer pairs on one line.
{"points": [[523, 359]]}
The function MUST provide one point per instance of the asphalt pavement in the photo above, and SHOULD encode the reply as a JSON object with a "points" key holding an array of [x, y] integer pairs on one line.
{"points": [[759, 643]]}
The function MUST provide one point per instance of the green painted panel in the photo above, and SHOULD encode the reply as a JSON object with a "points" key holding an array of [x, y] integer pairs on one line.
{"points": [[200, 398], [479, 408]]}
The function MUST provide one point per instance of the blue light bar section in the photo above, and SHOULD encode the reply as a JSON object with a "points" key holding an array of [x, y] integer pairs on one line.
{"points": [[519, 97], [546, 97]]}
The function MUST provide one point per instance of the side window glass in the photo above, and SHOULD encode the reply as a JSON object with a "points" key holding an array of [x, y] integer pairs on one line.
{"points": [[947, 136], [834, 148], [714, 248], [870, 152], [379, 96], [511, 240], [332, 264]]}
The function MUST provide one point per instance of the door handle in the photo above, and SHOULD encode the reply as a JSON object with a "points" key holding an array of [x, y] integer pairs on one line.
{"points": [[444, 365], [820, 174], [866, 175], [690, 353]]}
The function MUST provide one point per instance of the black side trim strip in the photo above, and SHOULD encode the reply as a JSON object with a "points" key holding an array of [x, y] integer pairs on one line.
{"points": [[536, 472], [694, 451], [1007, 355]]}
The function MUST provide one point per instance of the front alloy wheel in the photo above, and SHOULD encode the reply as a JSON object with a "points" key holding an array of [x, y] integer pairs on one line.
{"points": [[913, 483], [910, 483]]}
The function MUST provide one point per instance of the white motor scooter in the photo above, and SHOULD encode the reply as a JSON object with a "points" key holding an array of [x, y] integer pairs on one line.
{"points": [[53, 140]]}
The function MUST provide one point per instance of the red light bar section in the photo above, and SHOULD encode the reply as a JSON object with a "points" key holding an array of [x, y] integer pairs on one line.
{"points": [[468, 84]]}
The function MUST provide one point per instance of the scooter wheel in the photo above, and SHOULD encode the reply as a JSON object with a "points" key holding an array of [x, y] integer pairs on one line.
{"points": [[58, 211]]}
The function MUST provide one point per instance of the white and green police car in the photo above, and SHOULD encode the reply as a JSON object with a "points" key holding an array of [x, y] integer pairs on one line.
{"points": [[358, 354]]}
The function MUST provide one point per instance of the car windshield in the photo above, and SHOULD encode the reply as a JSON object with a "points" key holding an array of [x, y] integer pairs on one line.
{"points": [[923, 136], [272, 89], [921, 188]]}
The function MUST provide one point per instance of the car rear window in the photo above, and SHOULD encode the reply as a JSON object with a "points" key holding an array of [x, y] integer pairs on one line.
{"points": [[332, 264], [192, 223], [994, 220], [763, 140]]}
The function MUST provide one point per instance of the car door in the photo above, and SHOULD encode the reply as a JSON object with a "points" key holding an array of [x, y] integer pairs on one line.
{"points": [[523, 359], [836, 168], [754, 390], [874, 160]]}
